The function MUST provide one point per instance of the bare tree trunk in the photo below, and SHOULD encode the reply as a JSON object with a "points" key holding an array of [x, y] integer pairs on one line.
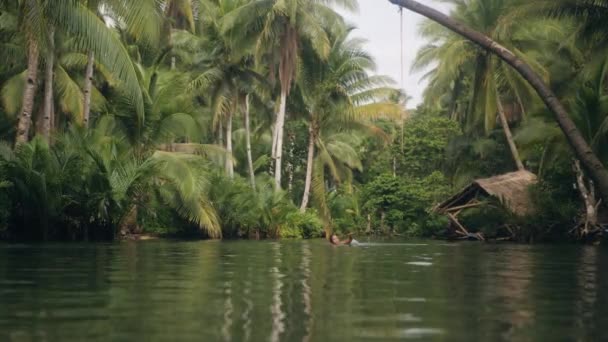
{"points": [[279, 146], [229, 165], [47, 118], [88, 86], [27, 105], [581, 148], [588, 195], [309, 166], [248, 142], [508, 135]]}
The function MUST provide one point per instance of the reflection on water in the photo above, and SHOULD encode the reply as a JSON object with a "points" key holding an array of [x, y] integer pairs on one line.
{"points": [[302, 291]]}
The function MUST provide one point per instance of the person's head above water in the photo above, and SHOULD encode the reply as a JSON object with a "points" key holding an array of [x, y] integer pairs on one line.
{"points": [[334, 239]]}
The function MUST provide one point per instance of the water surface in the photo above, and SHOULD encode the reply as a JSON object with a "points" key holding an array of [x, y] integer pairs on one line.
{"points": [[302, 291]]}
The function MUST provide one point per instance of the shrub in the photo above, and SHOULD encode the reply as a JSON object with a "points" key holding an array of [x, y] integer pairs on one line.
{"points": [[405, 202], [302, 225]]}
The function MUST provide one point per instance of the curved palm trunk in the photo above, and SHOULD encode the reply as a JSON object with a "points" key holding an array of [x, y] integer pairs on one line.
{"points": [[229, 165], [248, 142], [309, 164], [508, 135], [47, 117], [27, 104], [581, 148], [88, 85], [280, 123]]}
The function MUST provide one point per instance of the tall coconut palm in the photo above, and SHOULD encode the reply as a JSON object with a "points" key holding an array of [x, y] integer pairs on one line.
{"points": [[339, 91], [279, 28], [67, 91], [94, 6], [494, 82], [228, 76], [75, 20], [582, 149], [48, 107]]}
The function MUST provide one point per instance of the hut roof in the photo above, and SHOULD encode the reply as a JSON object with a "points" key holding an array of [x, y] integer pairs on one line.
{"points": [[511, 188]]}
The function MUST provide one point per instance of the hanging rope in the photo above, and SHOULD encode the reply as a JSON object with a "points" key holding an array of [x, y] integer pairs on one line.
{"points": [[401, 40]]}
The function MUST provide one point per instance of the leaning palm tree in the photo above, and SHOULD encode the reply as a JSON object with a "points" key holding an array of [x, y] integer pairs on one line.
{"points": [[589, 109], [581, 148], [279, 28]]}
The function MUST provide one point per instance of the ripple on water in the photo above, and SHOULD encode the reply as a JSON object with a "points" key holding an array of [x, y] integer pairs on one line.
{"points": [[409, 333], [420, 263], [410, 299], [420, 332]]}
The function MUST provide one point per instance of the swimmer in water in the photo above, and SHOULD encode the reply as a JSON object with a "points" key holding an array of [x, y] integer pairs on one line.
{"points": [[335, 240]]}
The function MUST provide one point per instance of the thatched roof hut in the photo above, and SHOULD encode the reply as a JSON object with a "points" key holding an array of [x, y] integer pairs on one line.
{"points": [[510, 188]]}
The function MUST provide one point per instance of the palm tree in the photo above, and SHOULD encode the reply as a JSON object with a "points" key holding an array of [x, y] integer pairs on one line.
{"points": [[280, 28], [589, 109], [591, 15], [228, 76], [25, 117], [582, 150], [76, 20], [492, 79], [338, 94], [48, 107], [95, 7]]}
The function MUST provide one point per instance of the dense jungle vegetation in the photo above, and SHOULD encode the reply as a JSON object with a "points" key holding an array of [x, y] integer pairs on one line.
{"points": [[265, 118]]}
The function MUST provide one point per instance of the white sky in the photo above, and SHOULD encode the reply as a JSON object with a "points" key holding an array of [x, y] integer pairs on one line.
{"points": [[378, 22]]}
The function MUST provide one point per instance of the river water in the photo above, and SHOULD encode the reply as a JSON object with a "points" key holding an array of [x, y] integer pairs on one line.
{"points": [[302, 291]]}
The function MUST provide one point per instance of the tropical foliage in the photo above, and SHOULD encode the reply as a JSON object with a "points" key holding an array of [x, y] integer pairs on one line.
{"points": [[266, 119]]}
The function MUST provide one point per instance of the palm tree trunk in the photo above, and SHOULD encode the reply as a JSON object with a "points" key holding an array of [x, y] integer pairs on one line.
{"points": [[25, 117], [48, 88], [229, 165], [581, 148], [248, 142], [309, 165], [273, 152], [279, 146], [588, 195], [508, 135], [455, 96], [88, 85]]}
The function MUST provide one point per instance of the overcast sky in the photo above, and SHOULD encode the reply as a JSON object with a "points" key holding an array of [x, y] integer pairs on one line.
{"points": [[378, 22]]}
